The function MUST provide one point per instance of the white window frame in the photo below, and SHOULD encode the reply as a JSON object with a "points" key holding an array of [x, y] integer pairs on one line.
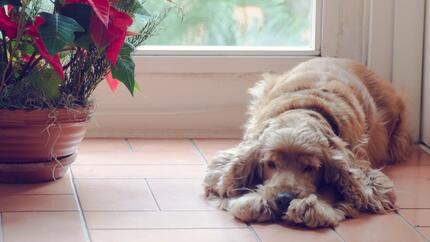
{"points": [[425, 127], [396, 39], [244, 51], [203, 93]]}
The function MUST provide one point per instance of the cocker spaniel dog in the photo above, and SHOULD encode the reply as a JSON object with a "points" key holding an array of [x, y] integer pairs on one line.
{"points": [[311, 148]]}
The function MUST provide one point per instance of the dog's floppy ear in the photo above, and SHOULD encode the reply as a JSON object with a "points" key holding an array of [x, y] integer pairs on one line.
{"points": [[234, 171], [366, 188]]}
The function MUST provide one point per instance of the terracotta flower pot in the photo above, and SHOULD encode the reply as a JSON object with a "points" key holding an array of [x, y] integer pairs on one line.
{"points": [[39, 145]]}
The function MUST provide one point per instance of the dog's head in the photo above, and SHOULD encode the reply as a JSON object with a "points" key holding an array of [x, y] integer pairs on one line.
{"points": [[294, 149], [298, 153]]}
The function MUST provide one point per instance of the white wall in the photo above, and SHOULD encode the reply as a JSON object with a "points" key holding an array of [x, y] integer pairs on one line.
{"points": [[181, 100]]}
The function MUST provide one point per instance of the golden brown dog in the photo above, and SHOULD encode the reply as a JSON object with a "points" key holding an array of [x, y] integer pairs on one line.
{"points": [[312, 145]]}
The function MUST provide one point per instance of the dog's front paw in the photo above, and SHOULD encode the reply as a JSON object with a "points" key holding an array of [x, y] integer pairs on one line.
{"points": [[250, 207], [312, 212]]}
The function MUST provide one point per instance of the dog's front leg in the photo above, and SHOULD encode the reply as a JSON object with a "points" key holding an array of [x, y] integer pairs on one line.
{"points": [[251, 207], [314, 212]]}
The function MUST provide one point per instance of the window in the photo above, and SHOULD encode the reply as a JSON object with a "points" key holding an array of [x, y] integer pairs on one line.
{"points": [[195, 73], [238, 27]]}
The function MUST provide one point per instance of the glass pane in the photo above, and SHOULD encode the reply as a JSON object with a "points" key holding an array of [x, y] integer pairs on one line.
{"points": [[246, 23]]}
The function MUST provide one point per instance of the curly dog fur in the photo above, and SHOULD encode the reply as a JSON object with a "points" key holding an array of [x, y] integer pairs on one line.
{"points": [[312, 146]]}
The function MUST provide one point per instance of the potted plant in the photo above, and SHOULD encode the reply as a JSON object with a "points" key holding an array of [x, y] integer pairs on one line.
{"points": [[53, 54]]}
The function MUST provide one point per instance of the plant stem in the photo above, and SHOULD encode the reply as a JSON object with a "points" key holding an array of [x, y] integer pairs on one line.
{"points": [[4, 45], [73, 59], [27, 68], [6, 68], [36, 62]]}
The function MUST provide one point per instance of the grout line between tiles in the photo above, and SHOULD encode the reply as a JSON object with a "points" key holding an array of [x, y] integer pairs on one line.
{"points": [[252, 230], [152, 194], [81, 213], [152, 211], [74, 211], [40, 211], [41, 194], [140, 178], [138, 164], [153, 164], [423, 236], [149, 210], [196, 147], [424, 148], [1, 228], [129, 144], [414, 209], [413, 227], [211, 228], [338, 235]]}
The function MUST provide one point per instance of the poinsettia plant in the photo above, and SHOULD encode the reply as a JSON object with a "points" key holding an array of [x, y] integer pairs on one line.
{"points": [[54, 53]]}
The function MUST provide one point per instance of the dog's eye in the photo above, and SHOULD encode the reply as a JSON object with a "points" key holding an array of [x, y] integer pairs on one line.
{"points": [[308, 168], [271, 164]]}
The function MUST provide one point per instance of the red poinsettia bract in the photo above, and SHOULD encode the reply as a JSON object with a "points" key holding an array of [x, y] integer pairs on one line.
{"points": [[112, 38], [100, 7], [112, 82], [108, 26], [7, 25]]}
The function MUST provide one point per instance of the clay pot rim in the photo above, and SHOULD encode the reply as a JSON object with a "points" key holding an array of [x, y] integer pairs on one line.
{"points": [[12, 117]]}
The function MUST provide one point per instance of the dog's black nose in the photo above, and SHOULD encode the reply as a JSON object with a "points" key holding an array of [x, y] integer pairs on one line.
{"points": [[283, 200]]}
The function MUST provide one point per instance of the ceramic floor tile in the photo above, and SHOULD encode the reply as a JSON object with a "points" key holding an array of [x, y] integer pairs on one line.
{"points": [[412, 194], [168, 151], [209, 147], [425, 231], [15, 203], [139, 171], [61, 186], [282, 233], [139, 158], [172, 194], [114, 195], [408, 172], [411, 185], [103, 145], [158, 220], [417, 157], [177, 235], [43, 227], [162, 145], [417, 217], [388, 227]]}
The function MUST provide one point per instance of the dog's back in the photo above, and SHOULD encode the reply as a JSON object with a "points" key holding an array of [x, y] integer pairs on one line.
{"points": [[365, 109]]}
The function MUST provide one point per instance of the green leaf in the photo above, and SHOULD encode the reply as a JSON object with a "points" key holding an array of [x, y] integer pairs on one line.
{"points": [[84, 41], [81, 13], [10, 2], [47, 82], [58, 31], [124, 69], [138, 88]]}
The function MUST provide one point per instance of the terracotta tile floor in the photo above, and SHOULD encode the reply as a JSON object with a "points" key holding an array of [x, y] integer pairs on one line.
{"points": [[135, 190]]}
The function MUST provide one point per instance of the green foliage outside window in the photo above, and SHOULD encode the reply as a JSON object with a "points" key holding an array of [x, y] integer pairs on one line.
{"points": [[236, 23]]}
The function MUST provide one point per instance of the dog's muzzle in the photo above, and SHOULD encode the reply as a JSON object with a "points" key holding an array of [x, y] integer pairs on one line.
{"points": [[283, 200]]}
